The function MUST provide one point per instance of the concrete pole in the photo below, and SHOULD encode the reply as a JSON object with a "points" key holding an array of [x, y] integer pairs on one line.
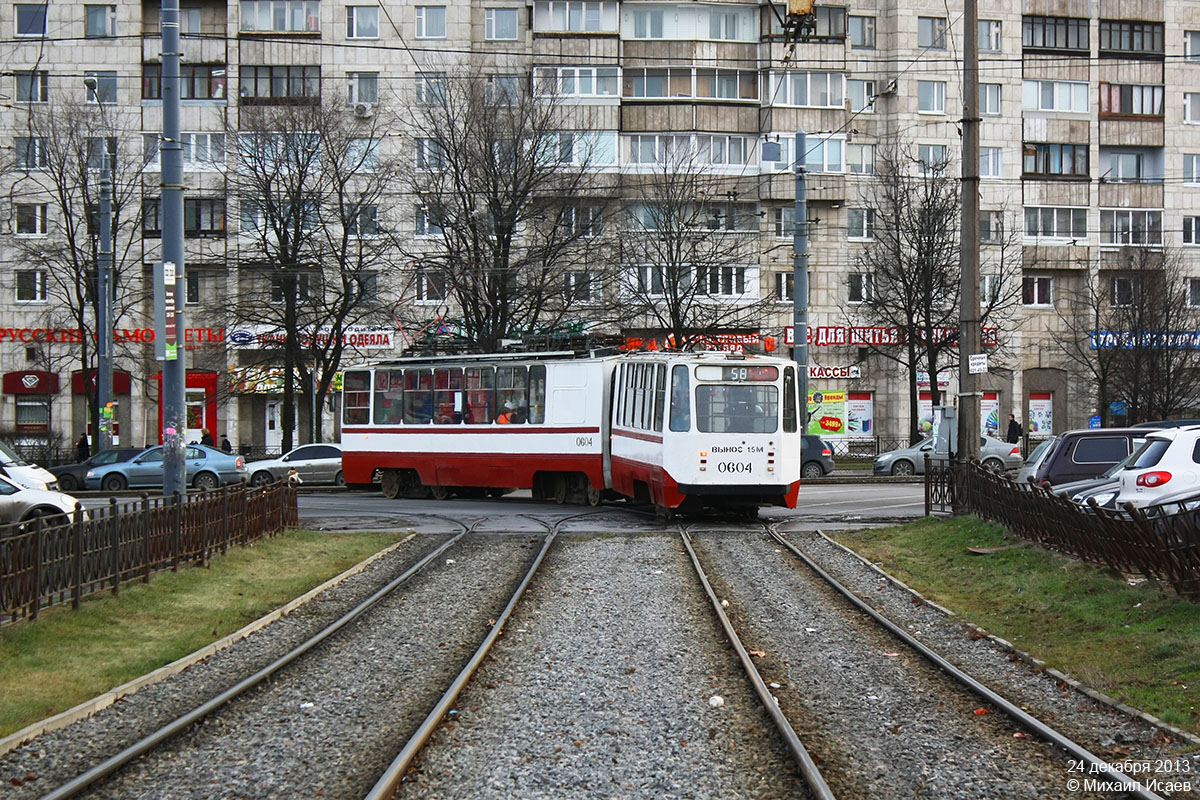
{"points": [[800, 281], [104, 301], [969, 342]]}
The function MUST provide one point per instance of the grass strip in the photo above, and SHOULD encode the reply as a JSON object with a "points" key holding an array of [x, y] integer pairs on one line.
{"points": [[1139, 642], [68, 657]]}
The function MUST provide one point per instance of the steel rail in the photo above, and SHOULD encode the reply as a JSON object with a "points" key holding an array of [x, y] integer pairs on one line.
{"points": [[391, 778], [1097, 765], [143, 746], [808, 768]]}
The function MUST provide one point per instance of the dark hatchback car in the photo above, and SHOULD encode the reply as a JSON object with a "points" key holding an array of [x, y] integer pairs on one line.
{"points": [[1076, 455], [816, 457], [70, 476]]}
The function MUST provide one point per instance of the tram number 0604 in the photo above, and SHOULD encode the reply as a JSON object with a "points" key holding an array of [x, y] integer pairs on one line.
{"points": [[735, 466], [583, 441]]}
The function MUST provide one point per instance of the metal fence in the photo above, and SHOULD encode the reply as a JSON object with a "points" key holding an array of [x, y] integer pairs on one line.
{"points": [[1159, 542], [49, 564]]}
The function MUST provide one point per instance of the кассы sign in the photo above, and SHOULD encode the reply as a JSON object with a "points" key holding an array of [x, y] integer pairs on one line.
{"points": [[834, 373]]}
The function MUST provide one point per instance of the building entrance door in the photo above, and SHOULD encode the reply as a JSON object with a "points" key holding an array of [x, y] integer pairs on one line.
{"points": [[194, 400]]}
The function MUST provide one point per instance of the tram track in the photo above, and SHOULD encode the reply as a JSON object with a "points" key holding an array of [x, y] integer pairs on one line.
{"points": [[904, 705]]}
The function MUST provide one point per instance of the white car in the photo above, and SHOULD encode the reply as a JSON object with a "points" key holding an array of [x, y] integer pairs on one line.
{"points": [[1168, 464], [19, 504]]}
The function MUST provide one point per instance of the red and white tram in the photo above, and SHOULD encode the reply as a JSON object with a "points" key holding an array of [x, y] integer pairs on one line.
{"points": [[667, 428]]}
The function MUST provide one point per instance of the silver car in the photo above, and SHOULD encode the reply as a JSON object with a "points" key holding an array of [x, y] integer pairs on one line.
{"points": [[996, 455], [312, 463], [21, 505]]}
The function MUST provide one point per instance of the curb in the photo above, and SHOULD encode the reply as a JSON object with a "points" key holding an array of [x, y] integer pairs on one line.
{"points": [[100, 702], [1008, 647]]}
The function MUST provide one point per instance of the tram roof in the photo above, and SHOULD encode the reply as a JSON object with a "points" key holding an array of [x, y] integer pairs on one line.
{"points": [[560, 355]]}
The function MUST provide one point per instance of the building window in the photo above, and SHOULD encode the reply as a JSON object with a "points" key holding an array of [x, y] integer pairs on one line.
{"points": [[204, 151], [1191, 107], [1123, 291], [989, 99], [427, 223], [1055, 33], [31, 286], [661, 82], [989, 162], [582, 221], [723, 25], [862, 96], [862, 32], [431, 87], [31, 152], [281, 16], [580, 286], [724, 281], [1191, 230], [191, 279], [1193, 290], [575, 16], [500, 24], [33, 86], [1035, 291], [860, 159], [430, 155], [96, 150], [1131, 100], [31, 219], [861, 223], [931, 159], [196, 82], [362, 22], [989, 290], [578, 81], [989, 36], [727, 84], [1123, 36], [1056, 223], [931, 33], [30, 19], [1121, 226], [278, 84], [299, 287], [784, 283], [33, 413], [785, 222], [99, 21], [724, 150], [203, 217], [431, 22], [1059, 160], [364, 223], [812, 89], [931, 97], [824, 155], [1124, 167], [1191, 45], [431, 285], [362, 87], [1191, 168], [106, 87], [648, 24], [1067, 96], [862, 287]]}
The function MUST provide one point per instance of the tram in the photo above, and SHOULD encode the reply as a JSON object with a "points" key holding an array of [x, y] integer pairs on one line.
{"points": [[671, 429]]}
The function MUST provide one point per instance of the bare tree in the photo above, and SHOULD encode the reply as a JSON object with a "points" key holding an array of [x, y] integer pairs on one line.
{"points": [[509, 210], [689, 247], [313, 182], [57, 161]]}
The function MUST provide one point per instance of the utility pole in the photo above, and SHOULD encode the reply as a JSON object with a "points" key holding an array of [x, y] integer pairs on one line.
{"points": [[969, 340], [168, 274], [104, 285], [800, 281]]}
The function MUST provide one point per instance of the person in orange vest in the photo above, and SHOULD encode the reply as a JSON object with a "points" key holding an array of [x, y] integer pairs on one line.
{"points": [[507, 415]]}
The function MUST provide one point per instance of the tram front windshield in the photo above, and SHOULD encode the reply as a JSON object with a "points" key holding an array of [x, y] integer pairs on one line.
{"points": [[737, 409]]}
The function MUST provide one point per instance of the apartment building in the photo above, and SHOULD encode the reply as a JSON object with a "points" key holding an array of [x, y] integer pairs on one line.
{"points": [[1090, 146]]}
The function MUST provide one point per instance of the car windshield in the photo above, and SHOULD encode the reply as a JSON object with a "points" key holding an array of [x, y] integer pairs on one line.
{"points": [[1150, 454], [1039, 451], [1120, 465], [10, 456]]}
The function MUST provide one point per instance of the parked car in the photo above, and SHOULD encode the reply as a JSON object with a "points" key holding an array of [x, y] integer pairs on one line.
{"points": [[1168, 423], [1080, 454], [20, 504], [1102, 488], [314, 463], [1168, 464], [71, 476], [207, 468], [816, 457], [993, 453], [21, 472]]}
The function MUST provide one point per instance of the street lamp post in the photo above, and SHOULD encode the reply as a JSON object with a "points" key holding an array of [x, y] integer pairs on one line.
{"points": [[104, 285]]}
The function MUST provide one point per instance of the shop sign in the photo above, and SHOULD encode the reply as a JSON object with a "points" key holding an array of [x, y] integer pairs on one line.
{"points": [[258, 380], [834, 373], [257, 337], [192, 337], [723, 342], [841, 336]]}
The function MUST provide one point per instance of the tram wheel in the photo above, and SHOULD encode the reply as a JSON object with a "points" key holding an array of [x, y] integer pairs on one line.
{"points": [[389, 484], [559, 487], [440, 492], [594, 496]]}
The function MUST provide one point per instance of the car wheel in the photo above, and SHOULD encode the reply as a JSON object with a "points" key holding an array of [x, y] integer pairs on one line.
{"points": [[49, 519], [67, 483], [205, 482], [903, 468], [339, 479], [993, 465], [812, 470], [114, 483], [262, 478]]}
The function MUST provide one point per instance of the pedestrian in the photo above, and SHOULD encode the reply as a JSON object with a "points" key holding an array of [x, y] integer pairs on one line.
{"points": [[206, 437], [226, 445], [1014, 430], [82, 450]]}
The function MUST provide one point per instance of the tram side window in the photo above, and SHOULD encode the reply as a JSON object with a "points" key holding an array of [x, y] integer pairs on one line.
{"points": [[356, 397], [789, 400], [418, 396], [628, 390], [481, 386], [537, 394], [389, 397], [639, 396], [512, 386], [660, 394], [737, 409], [681, 400], [447, 395]]}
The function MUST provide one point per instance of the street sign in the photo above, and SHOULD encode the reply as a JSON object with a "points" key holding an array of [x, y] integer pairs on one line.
{"points": [[977, 363]]}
